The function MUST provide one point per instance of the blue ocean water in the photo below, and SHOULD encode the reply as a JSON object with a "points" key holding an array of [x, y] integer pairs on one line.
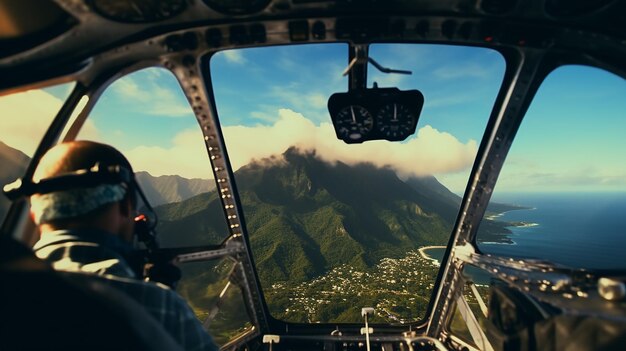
{"points": [[578, 230]]}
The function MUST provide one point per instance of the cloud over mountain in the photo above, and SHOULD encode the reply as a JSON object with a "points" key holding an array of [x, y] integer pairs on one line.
{"points": [[430, 152]]}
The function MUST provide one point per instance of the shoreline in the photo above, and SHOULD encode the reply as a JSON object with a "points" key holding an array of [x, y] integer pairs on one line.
{"points": [[494, 216], [514, 224], [522, 225], [425, 256]]}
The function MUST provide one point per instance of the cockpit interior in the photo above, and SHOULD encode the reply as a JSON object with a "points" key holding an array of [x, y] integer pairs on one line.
{"points": [[344, 174]]}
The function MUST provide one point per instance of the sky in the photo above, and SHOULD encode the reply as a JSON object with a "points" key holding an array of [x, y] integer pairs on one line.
{"points": [[269, 99]]}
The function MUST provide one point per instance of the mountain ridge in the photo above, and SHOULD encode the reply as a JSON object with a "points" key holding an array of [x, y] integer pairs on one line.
{"points": [[171, 188], [305, 215]]}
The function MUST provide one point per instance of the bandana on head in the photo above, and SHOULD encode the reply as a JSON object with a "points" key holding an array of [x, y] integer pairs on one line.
{"points": [[74, 202]]}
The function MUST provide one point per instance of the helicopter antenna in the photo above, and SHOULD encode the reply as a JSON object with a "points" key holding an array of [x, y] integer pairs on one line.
{"points": [[374, 63], [357, 67]]}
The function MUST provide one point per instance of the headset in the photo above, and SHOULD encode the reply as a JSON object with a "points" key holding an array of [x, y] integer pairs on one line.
{"points": [[91, 177], [145, 225]]}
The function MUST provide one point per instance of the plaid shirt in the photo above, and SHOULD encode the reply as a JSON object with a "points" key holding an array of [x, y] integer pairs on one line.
{"points": [[99, 253]]}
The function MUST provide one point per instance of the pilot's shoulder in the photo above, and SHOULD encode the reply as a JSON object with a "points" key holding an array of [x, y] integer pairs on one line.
{"points": [[152, 295]]}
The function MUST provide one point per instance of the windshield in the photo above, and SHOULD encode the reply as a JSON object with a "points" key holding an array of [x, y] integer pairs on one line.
{"points": [[566, 176], [337, 227], [22, 125]]}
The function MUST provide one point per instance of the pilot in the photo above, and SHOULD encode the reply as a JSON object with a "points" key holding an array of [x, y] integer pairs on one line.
{"points": [[90, 230]]}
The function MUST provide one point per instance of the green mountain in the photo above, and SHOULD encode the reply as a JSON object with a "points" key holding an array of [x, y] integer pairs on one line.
{"points": [[305, 216], [171, 188]]}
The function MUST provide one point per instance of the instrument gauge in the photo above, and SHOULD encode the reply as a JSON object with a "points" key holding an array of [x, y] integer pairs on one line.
{"points": [[353, 122], [395, 121]]}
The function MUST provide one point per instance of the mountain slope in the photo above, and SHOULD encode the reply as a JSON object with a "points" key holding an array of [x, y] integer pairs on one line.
{"points": [[305, 216], [171, 188]]}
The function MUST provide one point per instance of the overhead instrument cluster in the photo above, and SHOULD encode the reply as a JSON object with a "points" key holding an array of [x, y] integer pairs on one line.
{"points": [[375, 114]]}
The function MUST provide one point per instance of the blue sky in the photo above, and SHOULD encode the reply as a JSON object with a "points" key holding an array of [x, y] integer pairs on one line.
{"points": [[271, 98]]}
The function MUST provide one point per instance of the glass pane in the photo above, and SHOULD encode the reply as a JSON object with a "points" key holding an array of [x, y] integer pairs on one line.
{"points": [[469, 321], [146, 116], [217, 303], [337, 227], [24, 118], [565, 175]]}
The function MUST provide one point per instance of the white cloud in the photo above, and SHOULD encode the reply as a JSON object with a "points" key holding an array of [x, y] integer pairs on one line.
{"points": [[234, 56], [319, 101], [264, 116], [89, 131], [431, 152], [25, 117], [187, 157], [150, 97], [519, 178], [128, 88], [315, 103], [389, 80]]}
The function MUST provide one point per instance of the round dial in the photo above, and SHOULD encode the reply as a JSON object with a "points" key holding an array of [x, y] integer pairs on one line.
{"points": [[395, 121], [353, 122]]}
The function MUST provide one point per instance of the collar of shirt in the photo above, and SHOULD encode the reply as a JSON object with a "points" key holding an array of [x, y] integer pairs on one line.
{"points": [[88, 250], [104, 239]]}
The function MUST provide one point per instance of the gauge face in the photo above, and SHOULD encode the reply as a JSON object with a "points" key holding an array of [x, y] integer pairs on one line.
{"points": [[395, 121], [353, 122], [138, 11]]}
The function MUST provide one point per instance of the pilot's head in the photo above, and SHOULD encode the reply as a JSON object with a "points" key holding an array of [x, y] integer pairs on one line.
{"points": [[106, 207]]}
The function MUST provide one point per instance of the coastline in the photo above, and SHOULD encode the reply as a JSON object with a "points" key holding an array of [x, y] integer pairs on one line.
{"points": [[517, 224], [426, 256], [522, 224]]}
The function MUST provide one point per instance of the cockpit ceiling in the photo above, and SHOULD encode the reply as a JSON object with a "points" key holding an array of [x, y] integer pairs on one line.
{"points": [[137, 11], [33, 39], [21, 28]]}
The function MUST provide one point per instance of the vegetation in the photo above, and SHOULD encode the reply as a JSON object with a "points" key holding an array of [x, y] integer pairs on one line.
{"points": [[202, 286], [327, 239], [398, 289]]}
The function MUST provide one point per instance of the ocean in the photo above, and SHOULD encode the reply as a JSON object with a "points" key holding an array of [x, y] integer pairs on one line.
{"points": [[578, 230]]}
